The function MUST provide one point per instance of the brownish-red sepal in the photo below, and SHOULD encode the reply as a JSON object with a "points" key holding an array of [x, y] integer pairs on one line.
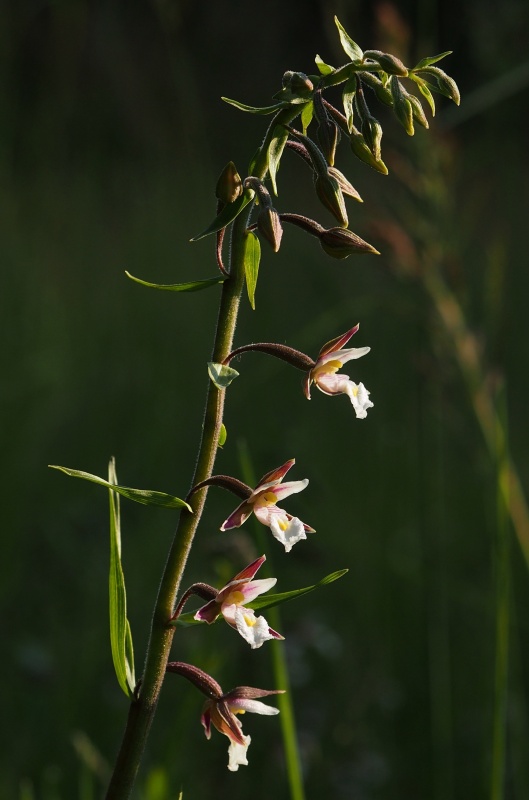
{"points": [[233, 485], [338, 343], [277, 475], [250, 693], [204, 682]]}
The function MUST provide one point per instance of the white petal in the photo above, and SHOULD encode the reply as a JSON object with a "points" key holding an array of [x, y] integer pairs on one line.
{"points": [[253, 630], [286, 531], [359, 397], [342, 355], [255, 707], [237, 754], [291, 487]]}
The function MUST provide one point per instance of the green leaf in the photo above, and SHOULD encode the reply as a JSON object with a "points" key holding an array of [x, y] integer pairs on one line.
{"points": [[227, 215], [275, 599], [306, 116], [348, 95], [223, 435], [425, 91], [288, 97], [426, 62], [252, 257], [253, 109], [144, 496], [270, 600], [350, 48], [275, 151], [221, 374], [325, 69], [120, 634], [194, 286]]}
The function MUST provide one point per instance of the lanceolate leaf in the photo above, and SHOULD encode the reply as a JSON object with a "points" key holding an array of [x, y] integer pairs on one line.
{"points": [[120, 634], [194, 286], [306, 116], [325, 69], [227, 215], [253, 109], [268, 601], [223, 435], [252, 257], [144, 496], [426, 62], [350, 48], [348, 95], [275, 151]]}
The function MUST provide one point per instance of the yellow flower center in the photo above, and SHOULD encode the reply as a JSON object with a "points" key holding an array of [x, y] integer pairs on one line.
{"points": [[250, 621], [355, 391], [234, 598], [330, 367], [266, 499], [283, 524]]}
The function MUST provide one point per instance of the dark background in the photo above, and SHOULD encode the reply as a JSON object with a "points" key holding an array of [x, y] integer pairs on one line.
{"points": [[112, 135]]}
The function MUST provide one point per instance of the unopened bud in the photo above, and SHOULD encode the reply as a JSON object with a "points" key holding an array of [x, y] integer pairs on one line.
{"points": [[341, 243], [297, 82], [390, 64], [346, 187], [330, 194], [328, 131], [373, 81], [270, 227], [229, 184], [362, 151], [445, 83], [372, 133], [402, 106], [418, 110]]}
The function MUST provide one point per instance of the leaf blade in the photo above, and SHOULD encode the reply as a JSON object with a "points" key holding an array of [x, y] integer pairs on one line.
{"points": [[192, 286], [146, 497], [226, 216], [252, 258], [262, 111]]}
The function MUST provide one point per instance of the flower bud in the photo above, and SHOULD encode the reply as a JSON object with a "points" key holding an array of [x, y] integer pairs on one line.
{"points": [[328, 131], [390, 64], [297, 82], [372, 133], [229, 184], [402, 106], [418, 110], [373, 81], [346, 187], [330, 194], [270, 227], [362, 151], [445, 83], [341, 243]]}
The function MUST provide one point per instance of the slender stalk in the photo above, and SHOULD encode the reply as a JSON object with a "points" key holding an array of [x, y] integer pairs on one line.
{"points": [[143, 707], [501, 679]]}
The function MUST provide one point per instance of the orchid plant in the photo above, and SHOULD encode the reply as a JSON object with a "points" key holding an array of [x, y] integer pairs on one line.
{"points": [[246, 213]]}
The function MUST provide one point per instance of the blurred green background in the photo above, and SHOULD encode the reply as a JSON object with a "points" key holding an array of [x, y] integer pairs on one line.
{"points": [[112, 136]]}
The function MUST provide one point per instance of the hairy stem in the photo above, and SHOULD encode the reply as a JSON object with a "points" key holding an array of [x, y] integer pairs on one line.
{"points": [[143, 707]]}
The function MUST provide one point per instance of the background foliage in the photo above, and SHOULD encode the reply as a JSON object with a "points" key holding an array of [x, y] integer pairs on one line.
{"points": [[111, 140]]}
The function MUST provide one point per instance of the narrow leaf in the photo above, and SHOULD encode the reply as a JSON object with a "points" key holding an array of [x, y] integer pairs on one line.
{"points": [[425, 91], [426, 62], [306, 116], [275, 151], [223, 435], [253, 109], [194, 286], [120, 635], [348, 96], [272, 599], [325, 69], [221, 374], [350, 48], [146, 497], [252, 257], [227, 215]]}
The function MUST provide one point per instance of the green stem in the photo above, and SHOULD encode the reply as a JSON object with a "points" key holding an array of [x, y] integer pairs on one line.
{"points": [[143, 707]]}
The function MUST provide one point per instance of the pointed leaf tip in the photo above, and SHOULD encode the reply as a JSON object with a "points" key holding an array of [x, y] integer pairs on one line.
{"points": [[193, 286]]}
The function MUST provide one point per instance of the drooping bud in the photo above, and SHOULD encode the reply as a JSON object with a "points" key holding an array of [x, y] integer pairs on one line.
{"points": [[445, 84], [330, 194], [297, 82], [418, 110], [346, 187], [270, 227], [390, 64], [328, 131], [402, 106], [373, 81], [370, 127], [204, 682], [229, 184], [362, 151], [341, 243]]}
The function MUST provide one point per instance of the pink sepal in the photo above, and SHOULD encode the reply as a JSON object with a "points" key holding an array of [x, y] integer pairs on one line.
{"points": [[336, 344], [209, 612], [205, 719], [237, 517], [274, 633], [307, 380], [248, 572], [276, 475]]}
